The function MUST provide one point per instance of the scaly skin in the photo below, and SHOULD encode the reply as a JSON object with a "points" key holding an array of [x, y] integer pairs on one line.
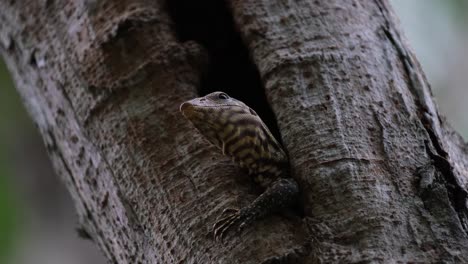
{"points": [[239, 132]]}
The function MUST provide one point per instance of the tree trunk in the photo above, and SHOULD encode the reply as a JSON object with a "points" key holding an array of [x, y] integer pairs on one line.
{"points": [[383, 176]]}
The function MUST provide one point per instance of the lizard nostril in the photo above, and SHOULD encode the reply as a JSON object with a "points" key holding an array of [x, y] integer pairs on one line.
{"points": [[185, 106]]}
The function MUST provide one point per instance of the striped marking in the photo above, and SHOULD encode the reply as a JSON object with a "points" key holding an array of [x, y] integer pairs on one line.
{"points": [[240, 134]]}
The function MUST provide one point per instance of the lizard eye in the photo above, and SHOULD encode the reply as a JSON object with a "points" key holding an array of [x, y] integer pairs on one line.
{"points": [[223, 96]]}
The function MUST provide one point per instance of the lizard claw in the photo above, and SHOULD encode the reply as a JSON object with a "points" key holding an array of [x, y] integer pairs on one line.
{"points": [[228, 212], [229, 218]]}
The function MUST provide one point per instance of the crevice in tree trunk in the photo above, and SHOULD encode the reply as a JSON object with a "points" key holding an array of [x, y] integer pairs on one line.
{"points": [[456, 193], [230, 68]]}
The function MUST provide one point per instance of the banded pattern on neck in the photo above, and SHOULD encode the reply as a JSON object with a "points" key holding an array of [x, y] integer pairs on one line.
{"points": [[239, 132]]}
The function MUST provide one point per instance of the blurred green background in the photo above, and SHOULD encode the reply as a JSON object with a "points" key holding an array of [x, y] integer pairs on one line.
{"points": [[37, 218]]}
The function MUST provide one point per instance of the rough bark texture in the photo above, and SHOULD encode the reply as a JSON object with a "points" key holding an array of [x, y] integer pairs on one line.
{"points": [[383, 176]]}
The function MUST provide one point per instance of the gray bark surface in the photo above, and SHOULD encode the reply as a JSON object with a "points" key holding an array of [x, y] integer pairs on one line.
{"points": [[383, 176]]}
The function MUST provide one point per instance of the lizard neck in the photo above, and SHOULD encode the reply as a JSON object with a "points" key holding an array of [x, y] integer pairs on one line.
{"points": [[249, 142]]}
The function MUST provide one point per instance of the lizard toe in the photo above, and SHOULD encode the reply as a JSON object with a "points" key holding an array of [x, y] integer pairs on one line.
{"points": [[228, 212], [223, 225]]}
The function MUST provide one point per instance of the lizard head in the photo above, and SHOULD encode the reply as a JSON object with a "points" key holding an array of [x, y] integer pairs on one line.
{"points": [[215, 102], [216, 115]]}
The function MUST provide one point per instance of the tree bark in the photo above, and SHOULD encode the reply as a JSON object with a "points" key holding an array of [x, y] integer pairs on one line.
{"points": [[383, 176]]}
